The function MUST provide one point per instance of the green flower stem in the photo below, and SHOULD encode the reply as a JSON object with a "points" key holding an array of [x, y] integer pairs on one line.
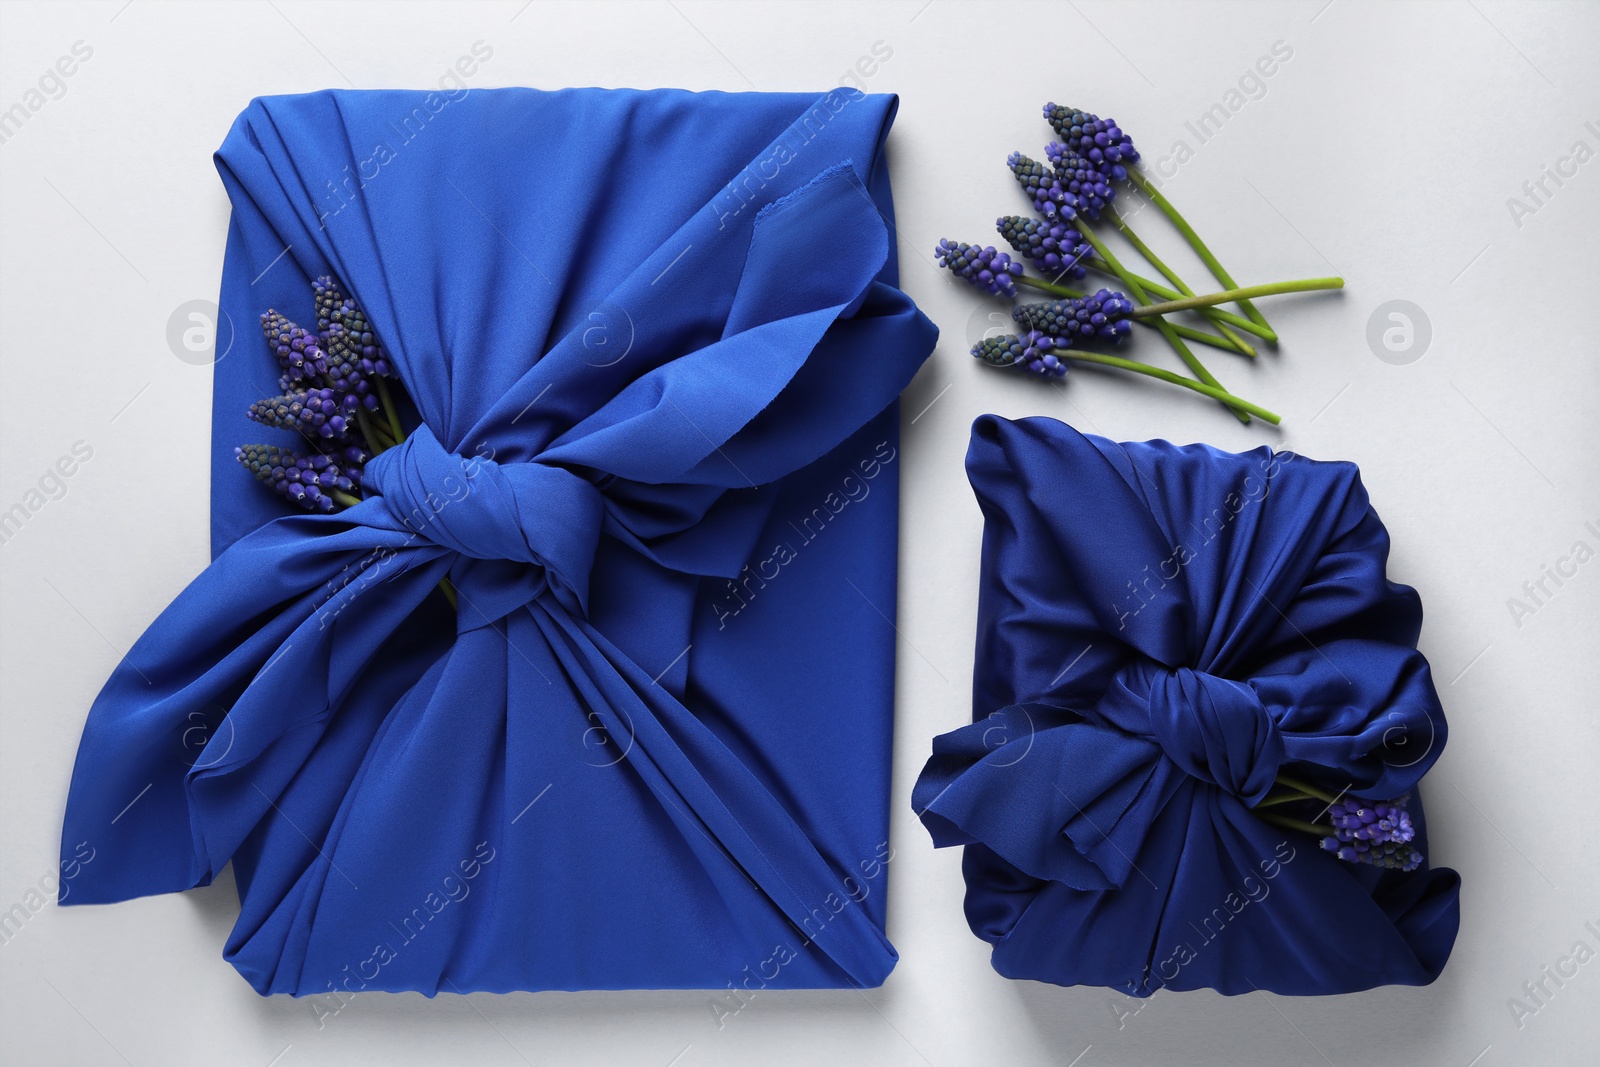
{"points": [[369, 433], [1144, 185], [1215, 392], [1187, 332], [1137, 291], [1052, 288], [1198, 336], [389, 409], [1167, 272], [1189, 303], [1280, 798], [1309, 790], [1238, 322], [1295, 824], [380, 437], [449, 592], [344, 498]]}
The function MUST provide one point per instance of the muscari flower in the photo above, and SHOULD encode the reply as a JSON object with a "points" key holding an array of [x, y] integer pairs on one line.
{"points": [[326, 413], [299, 351], [346, 371], [306, 480], [355, 359], [326, 381], [993, 272], [1098, 140], [1378, 834], [350, 458], [1089, 188], [1102, 316], [350, 335], [1049, 194], [1053, 247], [327, 297], [1029, 353], [1002, 351], [1364, 820], [352, 353]]}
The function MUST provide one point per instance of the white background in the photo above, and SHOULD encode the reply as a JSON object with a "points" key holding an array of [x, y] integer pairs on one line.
{"points": [[1384, 149]]}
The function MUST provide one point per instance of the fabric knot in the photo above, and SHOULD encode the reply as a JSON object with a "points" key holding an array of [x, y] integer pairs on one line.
{"points": [[526, 513], [1214, 729]]}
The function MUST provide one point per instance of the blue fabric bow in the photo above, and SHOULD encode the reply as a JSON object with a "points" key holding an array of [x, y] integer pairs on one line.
{"points": [[1161, 631], [645, 334]]}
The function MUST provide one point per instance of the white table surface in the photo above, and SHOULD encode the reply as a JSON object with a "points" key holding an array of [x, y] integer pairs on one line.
{"points": [[1385, 148]]}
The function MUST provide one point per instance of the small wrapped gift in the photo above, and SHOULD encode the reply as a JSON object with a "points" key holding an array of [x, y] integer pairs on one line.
{"points": [[1200, 718]]}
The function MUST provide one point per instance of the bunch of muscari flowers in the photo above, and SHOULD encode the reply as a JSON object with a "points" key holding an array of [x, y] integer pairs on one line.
{"points": [[1377, 833], [334, 394], [1076, 189]]}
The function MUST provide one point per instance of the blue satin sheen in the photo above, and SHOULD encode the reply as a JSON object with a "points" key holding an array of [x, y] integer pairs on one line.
{"points": [[1162, 630], [652, 340]]}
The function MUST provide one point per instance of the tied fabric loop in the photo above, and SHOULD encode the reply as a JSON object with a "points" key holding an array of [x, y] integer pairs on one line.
{"points": [[1215, 729], [522, 513]]}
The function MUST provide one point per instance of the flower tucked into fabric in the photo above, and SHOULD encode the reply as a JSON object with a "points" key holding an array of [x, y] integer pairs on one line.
{"points": [[352, 357], [1377, 833], [638, 744], [346, 333], [313, 412], [299, 351], [1167, 634], [306, 480]]}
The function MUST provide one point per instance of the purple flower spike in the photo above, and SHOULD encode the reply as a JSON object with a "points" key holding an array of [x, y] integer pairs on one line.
{"points": [[354, 358], [282, 412], [1031, 353], [350, 336], [1090, 189], [305, 480], [324, 413], [1101, 317], [327, 296], [350, 459], [1377, 833], [1098, 140], [1049, 195], [345, 371], [1003, 351], [1039, 359], [299, 351], [993, 272], [1054, 247]]}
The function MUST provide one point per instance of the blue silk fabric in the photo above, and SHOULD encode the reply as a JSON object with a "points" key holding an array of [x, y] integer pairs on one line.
{"points": [[654, 344], [1161, 631]]}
